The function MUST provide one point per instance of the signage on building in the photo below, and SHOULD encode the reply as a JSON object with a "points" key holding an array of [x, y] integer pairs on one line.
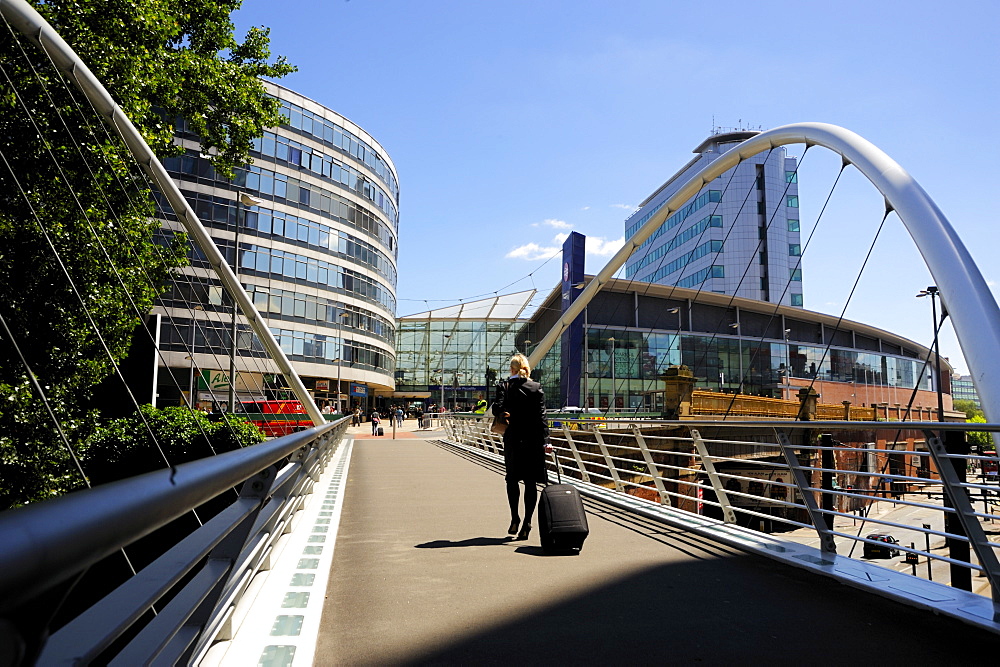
{"points": [[322, 385], [213, 380], [359, 389]]}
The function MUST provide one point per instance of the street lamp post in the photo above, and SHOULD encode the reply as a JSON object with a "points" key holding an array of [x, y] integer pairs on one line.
{"points": [[194, 326], [611, 404], [788, 365], [586, 363], [454, 391], [933, 293], [242, 200], [340, 361]]}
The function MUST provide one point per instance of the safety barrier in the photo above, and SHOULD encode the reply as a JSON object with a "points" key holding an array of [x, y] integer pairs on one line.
{"points": [[909, 494], [172, 610]]}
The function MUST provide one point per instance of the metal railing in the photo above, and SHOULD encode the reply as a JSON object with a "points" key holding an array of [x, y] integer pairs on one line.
{"points": [[841, 495], [172, 610]]}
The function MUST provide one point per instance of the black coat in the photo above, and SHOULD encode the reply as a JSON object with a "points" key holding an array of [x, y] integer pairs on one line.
{"points": [[527, 429]]}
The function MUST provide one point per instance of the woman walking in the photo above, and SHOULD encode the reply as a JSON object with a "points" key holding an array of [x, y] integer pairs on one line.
{"points": [[525, 441]]}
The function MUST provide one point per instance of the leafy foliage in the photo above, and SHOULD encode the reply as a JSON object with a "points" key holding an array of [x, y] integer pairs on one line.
{"points": [[133, 445], [982, 438], [968, 407], [80, 261]]}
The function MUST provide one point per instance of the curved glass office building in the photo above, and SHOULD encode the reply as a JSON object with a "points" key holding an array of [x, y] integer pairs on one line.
{"points": [[314, 223]]}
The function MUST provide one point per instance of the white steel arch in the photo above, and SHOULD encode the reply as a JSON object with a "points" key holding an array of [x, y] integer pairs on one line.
{"points": [[964, 292]]}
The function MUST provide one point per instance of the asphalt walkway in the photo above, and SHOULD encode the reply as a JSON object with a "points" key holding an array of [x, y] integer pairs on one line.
{"points": [[423, 573]]}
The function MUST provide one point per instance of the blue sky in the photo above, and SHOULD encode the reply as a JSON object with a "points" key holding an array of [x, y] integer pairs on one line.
{"points": [[512, 123]]}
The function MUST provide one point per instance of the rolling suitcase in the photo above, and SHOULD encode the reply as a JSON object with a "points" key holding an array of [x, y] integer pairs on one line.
{"points": [[380, 431], [562, 521]]}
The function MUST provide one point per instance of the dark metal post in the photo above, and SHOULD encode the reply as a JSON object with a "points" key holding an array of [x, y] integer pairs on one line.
{"points": [[927, 542], [961, 577], [937, 362], [827, 458]]}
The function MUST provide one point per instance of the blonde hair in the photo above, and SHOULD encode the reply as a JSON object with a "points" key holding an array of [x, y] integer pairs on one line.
{"points": [[519, 364]]}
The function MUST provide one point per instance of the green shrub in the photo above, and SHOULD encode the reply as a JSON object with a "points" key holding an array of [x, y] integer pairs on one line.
{"points": [[151, 438]]}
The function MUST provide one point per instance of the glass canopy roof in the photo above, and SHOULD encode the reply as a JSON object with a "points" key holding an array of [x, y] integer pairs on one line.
{"points": [[502, 307]]}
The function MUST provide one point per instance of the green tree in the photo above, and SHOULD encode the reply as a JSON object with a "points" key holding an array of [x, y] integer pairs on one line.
{"points": [[984, 439], [968, 407], [80, 261]]}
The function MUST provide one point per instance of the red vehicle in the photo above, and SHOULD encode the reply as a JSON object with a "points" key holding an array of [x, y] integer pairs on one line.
{"points": [[278, 418]]}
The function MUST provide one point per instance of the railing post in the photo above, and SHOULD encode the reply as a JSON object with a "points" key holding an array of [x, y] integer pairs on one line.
{"points": [[576, 454], [952, 472], [491, 437], [828, 463], [653, 470], [826, 542], [720, 490], [607, 459]]}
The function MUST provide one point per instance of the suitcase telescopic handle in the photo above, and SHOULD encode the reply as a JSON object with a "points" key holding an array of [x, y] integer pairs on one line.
{"points": [[556, 464]]}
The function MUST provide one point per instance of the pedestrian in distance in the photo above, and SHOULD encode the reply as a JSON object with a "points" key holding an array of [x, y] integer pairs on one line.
{"points": [[376, 420], [525, 442]]}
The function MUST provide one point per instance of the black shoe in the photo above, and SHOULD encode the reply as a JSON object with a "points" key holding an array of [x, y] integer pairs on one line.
{"points": [[514, 523], [525, 529]]}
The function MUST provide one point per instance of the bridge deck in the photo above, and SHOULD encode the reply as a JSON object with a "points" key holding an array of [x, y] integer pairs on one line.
{"points": [[423, 573]]}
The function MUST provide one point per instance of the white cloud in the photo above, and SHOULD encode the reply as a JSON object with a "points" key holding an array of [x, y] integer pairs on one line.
{"points": [[532, 252], [627, 207], [560, 238], [584, 208], [558, 224], [602, 248]]}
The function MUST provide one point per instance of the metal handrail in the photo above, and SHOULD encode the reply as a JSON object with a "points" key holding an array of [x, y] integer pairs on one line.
{"points": [[48, 543], [829, 495]]}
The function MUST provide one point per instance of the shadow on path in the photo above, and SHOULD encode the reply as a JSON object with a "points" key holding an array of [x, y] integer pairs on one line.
{"points": [[471, 542]]}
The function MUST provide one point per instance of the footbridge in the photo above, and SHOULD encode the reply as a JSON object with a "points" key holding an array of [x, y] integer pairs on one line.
{"points": [[712, 539], [354, 549]]}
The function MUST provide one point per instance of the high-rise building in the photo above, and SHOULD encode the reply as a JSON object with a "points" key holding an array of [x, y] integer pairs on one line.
{"points": [[314, 223], [739, 235], [963, 389]]}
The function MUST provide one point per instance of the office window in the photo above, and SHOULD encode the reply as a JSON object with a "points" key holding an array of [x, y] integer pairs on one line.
{"points": [[792, 201], [795, 274], [791, 177], [793, 225], [794, 249], [796, 299], [718, 271]]}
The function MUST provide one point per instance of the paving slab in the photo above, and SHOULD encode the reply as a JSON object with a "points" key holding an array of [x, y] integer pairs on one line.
{"points": [[423, 573]]}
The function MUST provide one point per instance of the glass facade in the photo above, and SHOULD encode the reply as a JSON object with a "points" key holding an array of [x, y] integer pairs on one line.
{"points": [[465, 357], [732, 236], [316, 250], [963, 389], [626, 371]]}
